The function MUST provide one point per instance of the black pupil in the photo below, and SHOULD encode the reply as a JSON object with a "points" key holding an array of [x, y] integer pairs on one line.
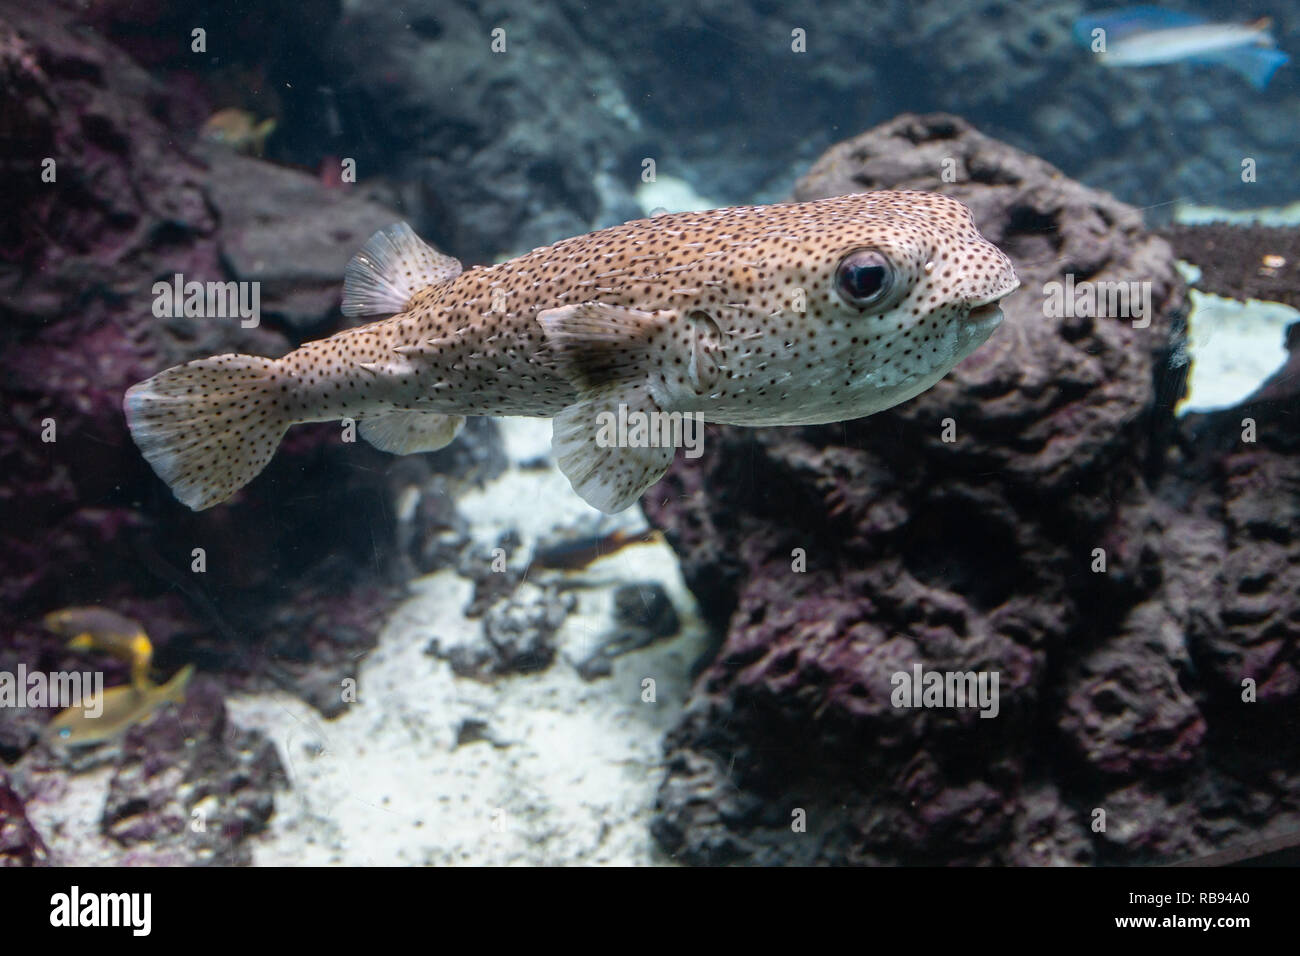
{"points": [[862, 279]]}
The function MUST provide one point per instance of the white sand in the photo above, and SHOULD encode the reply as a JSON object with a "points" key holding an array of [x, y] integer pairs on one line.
{"points": [[1234, 347], [571, 773]]}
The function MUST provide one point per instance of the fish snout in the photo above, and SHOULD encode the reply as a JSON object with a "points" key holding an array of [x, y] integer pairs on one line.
{"points": [[986, 275]]}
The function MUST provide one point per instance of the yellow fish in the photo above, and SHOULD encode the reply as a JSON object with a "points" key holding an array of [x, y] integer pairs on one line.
{"points": [[789, 314], [99, 629], [123, 708], [238, 129]]}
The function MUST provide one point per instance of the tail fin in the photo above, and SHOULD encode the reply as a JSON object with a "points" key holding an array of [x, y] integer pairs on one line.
{"points": [[1256, 64], [260, 133], [208, 427], [175, 689]]}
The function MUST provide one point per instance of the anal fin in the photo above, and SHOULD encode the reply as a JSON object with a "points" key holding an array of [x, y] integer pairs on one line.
{"points": [[407, 432]]}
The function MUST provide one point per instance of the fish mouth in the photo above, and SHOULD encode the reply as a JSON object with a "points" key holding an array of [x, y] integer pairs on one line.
{"points": [[981, 314], [988, 312], [983, 319]]}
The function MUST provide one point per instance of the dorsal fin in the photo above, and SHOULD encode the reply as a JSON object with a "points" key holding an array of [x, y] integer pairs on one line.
{"points": [[390, 268]]}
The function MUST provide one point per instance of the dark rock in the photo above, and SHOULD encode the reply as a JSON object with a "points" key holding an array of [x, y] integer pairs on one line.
{"points": [[472, 731], [1284, 384], [20, 844], [477, 455], [643, 613], [1260, 610], [466, 660], [502, 160], [1126, 711], [645, 606], [522, 631], [189, 785], [1243, 466], [693, 808], [494, 577], [1048, 832], [28, 646], [1247, 631], [517, 638], [1075, 541], [290, 235], [314, 640], [595, 666], [1142, 823], [431, 531]]}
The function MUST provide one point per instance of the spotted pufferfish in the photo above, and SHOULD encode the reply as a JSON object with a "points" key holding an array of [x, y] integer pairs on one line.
{"points": [[787, 314]]}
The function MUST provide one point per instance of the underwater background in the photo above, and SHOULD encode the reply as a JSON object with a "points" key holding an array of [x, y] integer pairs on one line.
{"points": [[450, 657]]}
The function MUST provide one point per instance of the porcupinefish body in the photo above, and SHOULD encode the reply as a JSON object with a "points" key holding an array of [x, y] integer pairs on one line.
{"points": [[788, 314]]}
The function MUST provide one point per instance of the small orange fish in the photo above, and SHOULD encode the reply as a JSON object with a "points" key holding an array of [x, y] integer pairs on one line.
{"points": [[238, 129]]}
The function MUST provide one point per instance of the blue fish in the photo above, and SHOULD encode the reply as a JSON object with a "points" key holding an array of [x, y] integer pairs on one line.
{"points": [[1146, 36]]}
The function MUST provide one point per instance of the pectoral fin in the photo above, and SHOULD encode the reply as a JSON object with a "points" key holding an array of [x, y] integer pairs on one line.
{"points": [[408, 432], [594, 345]]}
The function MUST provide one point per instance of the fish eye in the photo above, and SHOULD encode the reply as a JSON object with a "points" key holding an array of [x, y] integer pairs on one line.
{"points": [[864, 277]]}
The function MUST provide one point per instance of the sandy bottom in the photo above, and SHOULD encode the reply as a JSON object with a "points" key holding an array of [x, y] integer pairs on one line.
{"points": [[1235, 347]]}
